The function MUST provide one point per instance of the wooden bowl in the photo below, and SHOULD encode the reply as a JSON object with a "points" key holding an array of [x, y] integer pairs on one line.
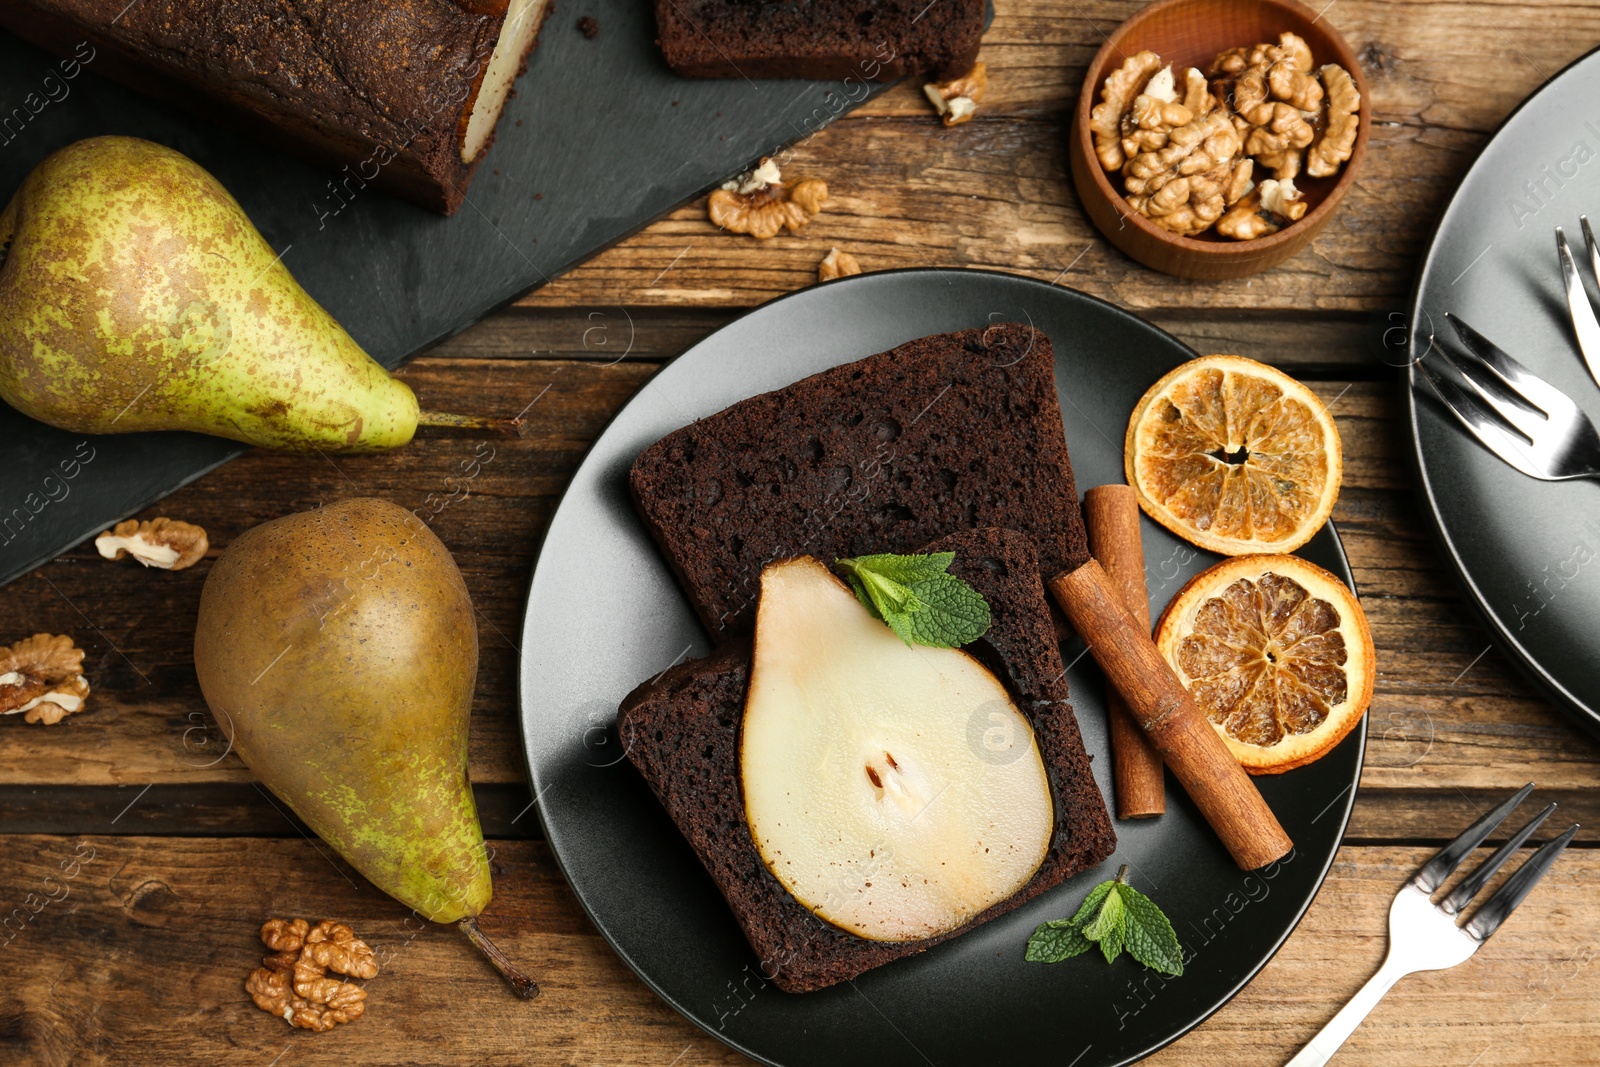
{"points": [[1189, 33]]}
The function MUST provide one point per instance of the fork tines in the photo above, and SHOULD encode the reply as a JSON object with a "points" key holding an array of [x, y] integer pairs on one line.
{"points": [[1493, 911], [1513, 412], [1584, 324]]}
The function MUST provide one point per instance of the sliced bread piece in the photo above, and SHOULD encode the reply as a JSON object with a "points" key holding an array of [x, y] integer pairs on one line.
{"points": [[681, 731], [403, 94], [950, 432], [868, 40]]}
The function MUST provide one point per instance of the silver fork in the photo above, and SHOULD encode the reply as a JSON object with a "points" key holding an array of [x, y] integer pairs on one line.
{"points": [[1579, 309], [1517, 415], [1423, 936]]}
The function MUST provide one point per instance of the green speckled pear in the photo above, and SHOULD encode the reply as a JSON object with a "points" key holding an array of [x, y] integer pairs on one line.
{"points": [[339, 648], [136, 295]]}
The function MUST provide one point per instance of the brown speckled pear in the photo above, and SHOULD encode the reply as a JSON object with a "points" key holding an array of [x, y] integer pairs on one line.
{"points": [[136, 295], [340, 648]]}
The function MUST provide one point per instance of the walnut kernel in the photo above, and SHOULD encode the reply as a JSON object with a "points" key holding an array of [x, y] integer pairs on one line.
{"points": [[1274, 94], [1185, 186], [1277, 137], [41, 678], [1154, 114], [837, 264], [1281, 198], [1116, 98], [335, 947], [1244, 221], [1196, 94], [1338, 137], [165, 543], [293, 981], [284, 935], [957, 99], [761, 204], [1268, 208]]}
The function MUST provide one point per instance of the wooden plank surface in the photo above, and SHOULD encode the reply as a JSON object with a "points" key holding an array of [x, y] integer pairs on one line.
{"points": [[141, 957], [995, 192], [1448, 713]]}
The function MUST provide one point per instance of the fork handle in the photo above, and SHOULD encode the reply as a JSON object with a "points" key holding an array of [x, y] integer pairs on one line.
{"points": [[1320, 1049]]}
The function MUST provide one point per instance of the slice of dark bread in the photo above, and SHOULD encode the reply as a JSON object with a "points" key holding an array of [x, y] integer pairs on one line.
{"points": [[382, 93], [949, 432], [870, 40], [681, 731]]}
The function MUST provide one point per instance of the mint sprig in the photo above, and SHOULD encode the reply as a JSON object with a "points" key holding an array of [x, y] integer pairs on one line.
{"points": [[1114, 916], [918, 598]]}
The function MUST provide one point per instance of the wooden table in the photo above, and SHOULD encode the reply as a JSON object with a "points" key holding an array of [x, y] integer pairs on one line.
{"points": [[140, 957]]}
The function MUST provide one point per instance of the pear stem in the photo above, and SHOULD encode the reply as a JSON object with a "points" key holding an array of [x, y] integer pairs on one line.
{"points": [[521, 984], [449, 420]]}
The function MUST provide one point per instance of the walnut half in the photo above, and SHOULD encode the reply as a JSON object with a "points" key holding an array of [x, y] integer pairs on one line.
{"points": [[1337, 140], [1116, 100], [957, 100], [1274, 95], [761, 204], [1268, 208], [41, 679], [164, 543], [293, 981], [837, 264], [1186, 186]]}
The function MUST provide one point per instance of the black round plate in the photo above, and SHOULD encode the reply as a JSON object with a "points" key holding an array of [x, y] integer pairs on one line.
{"points": [[604, 614], [1528, 551]]}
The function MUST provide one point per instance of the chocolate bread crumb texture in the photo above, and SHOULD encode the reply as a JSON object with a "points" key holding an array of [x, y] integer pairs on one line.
{"points": [[868, 40], [681, 730], [940, 434], [402, 96]]}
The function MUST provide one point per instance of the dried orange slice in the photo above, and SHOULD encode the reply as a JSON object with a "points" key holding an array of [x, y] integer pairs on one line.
{"points": [[1234, 456], [1277, 653]]}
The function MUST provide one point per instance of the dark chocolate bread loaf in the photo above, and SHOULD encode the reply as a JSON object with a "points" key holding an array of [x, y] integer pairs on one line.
{"points": [[950, 432], [870, 40], [681, 731], [402, 95]]}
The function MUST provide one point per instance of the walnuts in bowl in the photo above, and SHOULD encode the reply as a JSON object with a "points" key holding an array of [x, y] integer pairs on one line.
{"points": [[1190, 145]]}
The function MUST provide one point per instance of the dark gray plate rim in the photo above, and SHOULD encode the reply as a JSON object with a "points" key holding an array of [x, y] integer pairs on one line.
{"points": [[1354, 745], [1582, 713]]}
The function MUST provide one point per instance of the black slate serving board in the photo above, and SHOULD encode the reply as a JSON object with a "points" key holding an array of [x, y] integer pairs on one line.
{"points": [[600, 139]]}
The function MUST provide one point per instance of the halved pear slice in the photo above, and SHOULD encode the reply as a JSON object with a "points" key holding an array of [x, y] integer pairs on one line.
{"points": [[895, 791], [517, 32]]}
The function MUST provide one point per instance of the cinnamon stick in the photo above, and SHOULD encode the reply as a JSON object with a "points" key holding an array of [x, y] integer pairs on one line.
{"points": [[1168, 716], [1111, 515]]}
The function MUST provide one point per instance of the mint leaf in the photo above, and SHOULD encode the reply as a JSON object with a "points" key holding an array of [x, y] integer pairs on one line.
{"points": [[953, 612], [1107, 922], [1112, 940], [906, 569], [1115, 916], [1056, 940], [1092, 902], [885, 594], [917, 598], [1150, 937]]}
